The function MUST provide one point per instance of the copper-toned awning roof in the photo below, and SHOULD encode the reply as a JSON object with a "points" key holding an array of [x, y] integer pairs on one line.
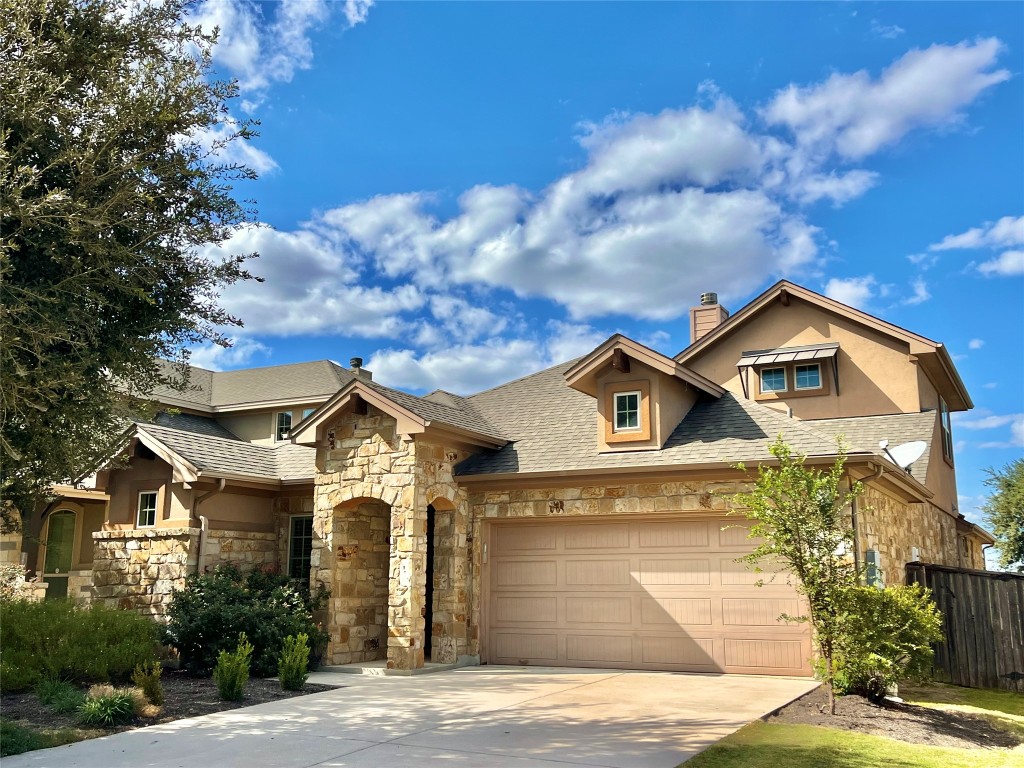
{"points": [[788, 354]]}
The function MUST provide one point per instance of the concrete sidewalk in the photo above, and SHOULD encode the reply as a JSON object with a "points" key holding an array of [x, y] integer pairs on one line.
{"points": [[476, 716]]}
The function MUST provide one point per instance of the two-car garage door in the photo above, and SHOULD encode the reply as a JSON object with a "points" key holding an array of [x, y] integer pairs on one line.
{"points": [[638, 594]]}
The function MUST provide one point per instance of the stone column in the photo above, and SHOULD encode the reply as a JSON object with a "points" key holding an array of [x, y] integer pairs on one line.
{"points": [[407, 584]]}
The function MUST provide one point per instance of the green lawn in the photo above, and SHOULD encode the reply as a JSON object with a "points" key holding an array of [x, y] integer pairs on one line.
{"points": [[15, 738], [764, 745]]}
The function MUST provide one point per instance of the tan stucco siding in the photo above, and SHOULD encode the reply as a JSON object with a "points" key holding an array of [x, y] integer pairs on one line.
{"points": [[666, 402], [260, 427], [876, 375], [174, 501], [226, 510]]}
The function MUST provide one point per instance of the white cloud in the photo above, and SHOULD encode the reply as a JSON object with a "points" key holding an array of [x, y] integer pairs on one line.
{"points": [[855, 115], [1004, 233], [990, 385], [356, 11], [920, 294], [887, 31], [214, 357], [986, 420], [238, 151], [854, 291], [838, 187], [311, 287], [976, 344], [1007, 264]]}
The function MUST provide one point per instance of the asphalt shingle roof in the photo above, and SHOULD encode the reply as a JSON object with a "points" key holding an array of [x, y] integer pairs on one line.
{"points": [[866, 432], [457, 412], [553, 428]]}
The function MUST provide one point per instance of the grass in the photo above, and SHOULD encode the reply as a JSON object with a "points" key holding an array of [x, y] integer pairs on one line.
{"points": [[774, 745], [15, 738], [764, 745]]}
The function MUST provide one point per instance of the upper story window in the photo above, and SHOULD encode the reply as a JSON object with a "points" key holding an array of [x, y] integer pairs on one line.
{"points": [[284, 425], [306, 412], [947, 430], [808, 376], [773, 379], [146, 514], [627, 411]]}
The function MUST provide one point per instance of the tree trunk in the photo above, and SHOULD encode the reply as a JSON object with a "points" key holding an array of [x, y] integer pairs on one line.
{"points": [[831, 684]]}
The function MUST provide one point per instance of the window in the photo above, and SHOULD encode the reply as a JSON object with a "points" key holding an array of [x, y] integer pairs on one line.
{"points": [[808, 376], [627, 411], [284, 425], [306, 412], [300, 547], [147, 509], [947, 430], [773, 379]]}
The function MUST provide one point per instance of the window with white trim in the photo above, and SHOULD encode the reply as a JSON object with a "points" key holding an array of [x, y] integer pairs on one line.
{"points": [[808, 376], [300, 547], [773, 379], [947, 430], [627, 411], [284, 425], [145, 516]]}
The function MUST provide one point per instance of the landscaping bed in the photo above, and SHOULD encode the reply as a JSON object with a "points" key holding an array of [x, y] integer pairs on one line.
{"points": [[185, 696]]}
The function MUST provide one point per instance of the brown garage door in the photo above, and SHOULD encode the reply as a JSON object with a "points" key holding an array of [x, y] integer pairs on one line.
{"points": [[637, 594]]}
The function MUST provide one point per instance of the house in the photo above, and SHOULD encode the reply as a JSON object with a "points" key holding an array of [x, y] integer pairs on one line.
{"points": [[573, 517]]}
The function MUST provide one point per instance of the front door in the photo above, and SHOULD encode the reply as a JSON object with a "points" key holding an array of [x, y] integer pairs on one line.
{"points": [[60, 543]]}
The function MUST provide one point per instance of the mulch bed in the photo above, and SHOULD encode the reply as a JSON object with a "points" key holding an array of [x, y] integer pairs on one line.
{"points": [[185, 696], [905, 722]]}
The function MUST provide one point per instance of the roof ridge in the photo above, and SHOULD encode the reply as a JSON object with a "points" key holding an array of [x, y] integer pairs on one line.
{"points": [[524, 378]]}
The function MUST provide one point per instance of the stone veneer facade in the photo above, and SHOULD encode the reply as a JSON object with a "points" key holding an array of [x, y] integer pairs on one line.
{"points": [[371, 500], [246, 549], [139, 569]]}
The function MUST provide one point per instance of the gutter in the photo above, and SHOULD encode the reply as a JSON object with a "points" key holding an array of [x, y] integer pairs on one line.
{"points": [[204, 523]]}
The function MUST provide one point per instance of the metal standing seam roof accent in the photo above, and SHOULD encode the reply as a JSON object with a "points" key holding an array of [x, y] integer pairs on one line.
{"points": [[788, 354]]}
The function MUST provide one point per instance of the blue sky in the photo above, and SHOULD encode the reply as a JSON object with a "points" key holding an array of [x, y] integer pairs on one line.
{"points": [[463, 193]]}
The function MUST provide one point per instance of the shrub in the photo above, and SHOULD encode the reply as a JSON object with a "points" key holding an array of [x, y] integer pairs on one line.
{"points": [[232, 670], [293, 666], [15, 739], [147, 677], [106, 706], [888, 636], [58, 695], [12, 582], [56, 639], [214, 608]]}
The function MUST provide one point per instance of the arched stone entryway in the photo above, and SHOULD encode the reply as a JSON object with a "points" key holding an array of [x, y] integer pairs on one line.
{"points": [[449, 576]]}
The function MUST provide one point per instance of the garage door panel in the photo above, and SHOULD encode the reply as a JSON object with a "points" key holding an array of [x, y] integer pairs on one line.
{"points": [[678, 651], [674, 534], [607, 649], [598, 610], [615, 593], [675, 571], [597, 573], [607, 537], [521, 573], [675, 611]]}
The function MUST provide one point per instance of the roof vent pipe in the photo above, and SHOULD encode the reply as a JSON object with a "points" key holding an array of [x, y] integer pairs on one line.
{"points": [[356, 363], [708, 299]]}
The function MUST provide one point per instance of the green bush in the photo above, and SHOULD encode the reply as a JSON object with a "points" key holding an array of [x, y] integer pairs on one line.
{"points": [[107, 709], [15, 739], [214, 608], [232, 670], [56, 639], [58, 695], [293, 666], [147, 677], [888, 636]]}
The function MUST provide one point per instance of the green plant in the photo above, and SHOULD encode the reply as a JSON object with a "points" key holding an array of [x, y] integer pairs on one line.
{"points": [[213, 608], [293, 666], [800, 516], [887, 637], [1005, 512], [56, 639], [106, 706], [58, 695], [147, 677], [232, 670]]}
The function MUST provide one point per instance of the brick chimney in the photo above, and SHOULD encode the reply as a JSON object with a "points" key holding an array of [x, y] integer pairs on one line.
{"points": [[705, 318]]}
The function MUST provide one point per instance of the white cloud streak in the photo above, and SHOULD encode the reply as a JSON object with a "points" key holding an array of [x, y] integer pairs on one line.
{"points": [[854, 291]]}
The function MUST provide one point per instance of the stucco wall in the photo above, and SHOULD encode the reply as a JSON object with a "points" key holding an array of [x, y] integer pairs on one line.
{"points": [[174, 501]]}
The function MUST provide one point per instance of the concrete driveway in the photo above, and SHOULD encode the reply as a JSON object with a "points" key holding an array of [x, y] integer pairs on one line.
{"points": [[477, 716]]}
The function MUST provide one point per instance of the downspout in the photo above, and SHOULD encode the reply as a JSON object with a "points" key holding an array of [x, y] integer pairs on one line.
{"points": [[204, 523]]}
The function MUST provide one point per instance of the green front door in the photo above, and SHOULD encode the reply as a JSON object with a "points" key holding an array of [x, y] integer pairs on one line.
{"points": [[60, 544]]}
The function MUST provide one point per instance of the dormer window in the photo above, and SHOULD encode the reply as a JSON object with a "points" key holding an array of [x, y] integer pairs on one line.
{"points": [[808, 376], [773, 379], [627, 411]]}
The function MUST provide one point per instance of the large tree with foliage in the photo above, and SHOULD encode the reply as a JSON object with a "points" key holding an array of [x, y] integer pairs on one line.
{"points": [[801, 516], [1005, 512], [111, 129]]}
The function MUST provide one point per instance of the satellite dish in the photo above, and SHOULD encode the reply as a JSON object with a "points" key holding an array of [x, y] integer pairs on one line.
{"points": [[906, 454]]}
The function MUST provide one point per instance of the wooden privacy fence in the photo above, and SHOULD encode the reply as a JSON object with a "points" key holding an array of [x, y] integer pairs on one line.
{"points": [[983, 624]]}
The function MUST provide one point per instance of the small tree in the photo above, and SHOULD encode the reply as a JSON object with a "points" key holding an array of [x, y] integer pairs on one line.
{"points": [[800, 514], [1005, 512]]}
